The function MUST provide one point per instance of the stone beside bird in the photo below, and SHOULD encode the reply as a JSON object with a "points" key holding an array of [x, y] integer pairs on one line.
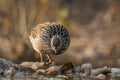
{"points": [[49, 38]]}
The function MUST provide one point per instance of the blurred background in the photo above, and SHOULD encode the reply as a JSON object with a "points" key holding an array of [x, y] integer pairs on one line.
{"points": [[94, 27]]}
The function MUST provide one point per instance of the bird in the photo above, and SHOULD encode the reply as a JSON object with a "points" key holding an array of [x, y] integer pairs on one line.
{"points": [[49, 38]]}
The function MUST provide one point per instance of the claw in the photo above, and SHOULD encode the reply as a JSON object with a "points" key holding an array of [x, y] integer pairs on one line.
{"points": [[49, 59]]}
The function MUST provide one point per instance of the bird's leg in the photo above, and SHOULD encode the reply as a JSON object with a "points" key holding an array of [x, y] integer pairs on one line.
{"points": [[50, 60], [41, 57]]}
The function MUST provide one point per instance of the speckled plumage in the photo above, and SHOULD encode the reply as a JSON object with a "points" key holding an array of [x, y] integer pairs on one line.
{"points": [[50, 38]]}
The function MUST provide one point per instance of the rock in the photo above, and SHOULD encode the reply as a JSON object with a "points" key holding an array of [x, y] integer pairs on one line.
{"points": [[90, 78], [95, 72], [53, 71], [109, 75], [5, 65], [104, 70], [114, 76], [115, 70], [9, 73], [34, 65], [66, 71], [101, 76], [19, 74], [78, 69], [64, 77], [86, 70], [16, 66], [1, 71], [40, 72], [67, 68], [27, 70]]}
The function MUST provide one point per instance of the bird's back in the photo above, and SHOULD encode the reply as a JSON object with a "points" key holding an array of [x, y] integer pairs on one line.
{"points": [[47, 36]]}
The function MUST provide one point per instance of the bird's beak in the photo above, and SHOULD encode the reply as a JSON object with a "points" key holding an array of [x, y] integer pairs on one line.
{"points": [[57, 52]]}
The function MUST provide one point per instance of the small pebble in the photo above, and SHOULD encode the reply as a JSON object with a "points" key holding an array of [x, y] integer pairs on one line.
{"points": [[53, 71], [9, 73], [115, 70], [33, 65], [101, 76], [19, 74], [67, 67], [86, 69], [40, 72]]}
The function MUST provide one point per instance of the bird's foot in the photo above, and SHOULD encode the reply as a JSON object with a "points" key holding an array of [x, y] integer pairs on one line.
{"points": [[50, 63], [42, 62]]}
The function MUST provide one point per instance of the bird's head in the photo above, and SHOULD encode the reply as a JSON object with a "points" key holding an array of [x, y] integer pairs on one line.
{"points": [[56, 44]]}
